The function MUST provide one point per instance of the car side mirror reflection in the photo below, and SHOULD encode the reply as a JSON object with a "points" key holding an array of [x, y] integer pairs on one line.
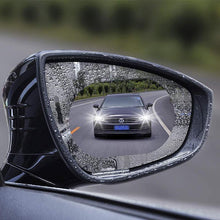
{"points": [[125, 138], [95, 106], [149, 105]]}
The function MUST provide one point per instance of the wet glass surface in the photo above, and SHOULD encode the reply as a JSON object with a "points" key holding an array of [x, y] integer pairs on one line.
{"points": [[113, 118]]}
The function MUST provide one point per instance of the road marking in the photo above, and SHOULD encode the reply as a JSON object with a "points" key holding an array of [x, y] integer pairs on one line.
{"points": [[83, 104], [158, 118], [74, 130]]}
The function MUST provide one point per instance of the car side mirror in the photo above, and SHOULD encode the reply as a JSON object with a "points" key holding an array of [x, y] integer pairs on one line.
{"points": [[149, 105], [95, 106], [53, 126]]}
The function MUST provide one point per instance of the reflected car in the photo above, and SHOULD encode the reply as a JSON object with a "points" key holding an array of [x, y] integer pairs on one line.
{"points": [[122, 114]]}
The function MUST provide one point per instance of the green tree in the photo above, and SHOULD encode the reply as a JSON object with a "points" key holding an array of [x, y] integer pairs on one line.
{"points": [[90, 89], [153, 86], [100, 88], [123, 17], [30, 13], [54, 12], [7, 10], [82, 92], [188, 24], [106, 88], [113, 88], [91, 17]]}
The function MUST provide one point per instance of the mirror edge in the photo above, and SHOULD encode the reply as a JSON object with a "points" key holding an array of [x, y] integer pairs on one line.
{"points": [[201, 95]]}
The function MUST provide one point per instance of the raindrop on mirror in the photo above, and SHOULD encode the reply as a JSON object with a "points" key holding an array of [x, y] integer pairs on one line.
{"points": [[113, 118]]}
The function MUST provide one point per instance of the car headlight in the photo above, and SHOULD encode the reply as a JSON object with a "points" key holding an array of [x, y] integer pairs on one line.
{"points": [[144, 118], [98, 118]]}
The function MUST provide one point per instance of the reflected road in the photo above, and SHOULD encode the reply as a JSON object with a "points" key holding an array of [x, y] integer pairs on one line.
{"points": [[81, 118]]}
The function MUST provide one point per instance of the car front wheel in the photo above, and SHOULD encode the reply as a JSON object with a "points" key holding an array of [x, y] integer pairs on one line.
{"points": [[148, 134], [97, 135]]}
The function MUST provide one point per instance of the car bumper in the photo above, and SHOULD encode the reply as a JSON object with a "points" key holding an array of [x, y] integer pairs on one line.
{"points": [[134, 129]]}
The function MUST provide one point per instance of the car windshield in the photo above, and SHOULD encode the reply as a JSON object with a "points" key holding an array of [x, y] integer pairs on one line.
{"points": [[122, 101]]}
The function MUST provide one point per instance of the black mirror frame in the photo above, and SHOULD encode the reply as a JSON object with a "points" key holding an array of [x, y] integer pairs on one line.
{"points": [[2, 183], [95, 106], [200, 121], [149, 105]]}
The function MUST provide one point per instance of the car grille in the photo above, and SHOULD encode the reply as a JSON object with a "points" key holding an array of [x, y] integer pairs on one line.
{"points": [[116, 120]]}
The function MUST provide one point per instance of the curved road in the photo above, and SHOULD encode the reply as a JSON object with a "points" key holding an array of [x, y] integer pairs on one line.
{"points": [[81, 118]]}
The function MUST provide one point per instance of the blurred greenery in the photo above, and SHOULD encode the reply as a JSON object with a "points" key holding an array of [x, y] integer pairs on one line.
{"points": [[183, 32], [127, 86]]}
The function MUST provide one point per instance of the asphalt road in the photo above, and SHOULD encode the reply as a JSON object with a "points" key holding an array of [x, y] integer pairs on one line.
{"points": [[196, 181], [81, 117]]}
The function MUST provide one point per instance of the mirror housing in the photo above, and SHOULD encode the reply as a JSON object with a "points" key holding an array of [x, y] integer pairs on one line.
{"points": [[95, 106], [47, 161], [149, 105]]}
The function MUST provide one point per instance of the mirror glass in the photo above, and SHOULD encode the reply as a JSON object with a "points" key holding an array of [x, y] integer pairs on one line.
{"points": [[113, 118]]}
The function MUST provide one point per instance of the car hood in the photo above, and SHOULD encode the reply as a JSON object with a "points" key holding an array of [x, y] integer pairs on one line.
{"points": [[123, 111]]}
